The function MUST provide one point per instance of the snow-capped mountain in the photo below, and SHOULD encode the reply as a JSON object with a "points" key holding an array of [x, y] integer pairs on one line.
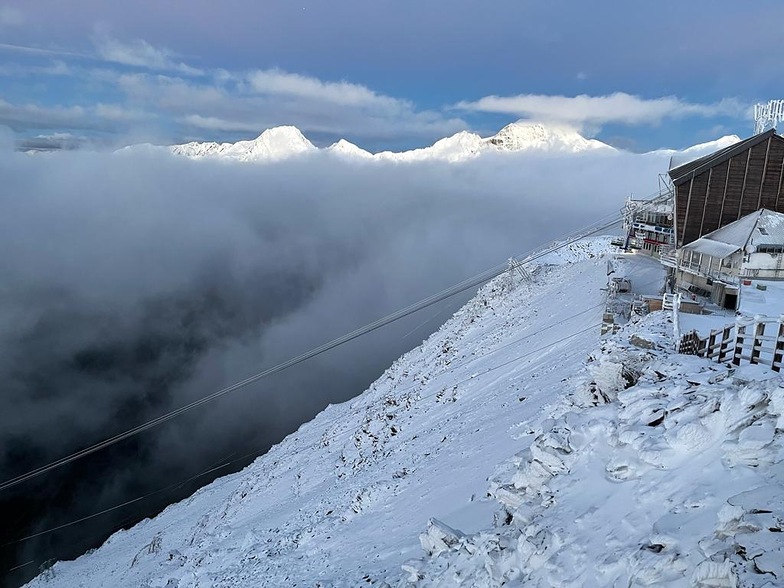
{"points": [[513, 447], [710, 146], [272, 145], [458, 147], [521, 136], [701, 149], [282, 142], [347, 149]]}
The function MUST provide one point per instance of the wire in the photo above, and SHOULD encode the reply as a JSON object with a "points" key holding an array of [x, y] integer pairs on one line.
{"points": [[27, 563], [323, 423]]}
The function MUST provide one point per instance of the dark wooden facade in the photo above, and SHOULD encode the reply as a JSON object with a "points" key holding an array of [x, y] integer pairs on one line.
{"points": [[720, 188]]}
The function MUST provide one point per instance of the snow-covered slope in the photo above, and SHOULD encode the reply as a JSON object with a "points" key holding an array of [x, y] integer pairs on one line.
{"points": [[657, 469], [525, 136], [514, 447], [272, 145], [517, 137], [701, 149], [458, 147]]}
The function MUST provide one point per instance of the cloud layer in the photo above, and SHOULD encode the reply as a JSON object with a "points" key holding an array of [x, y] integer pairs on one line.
{"points": [[599, 110], [135, 283]]}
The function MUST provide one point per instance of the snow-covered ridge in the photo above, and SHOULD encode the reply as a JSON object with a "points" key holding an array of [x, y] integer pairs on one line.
{"points": [[283, 142]]}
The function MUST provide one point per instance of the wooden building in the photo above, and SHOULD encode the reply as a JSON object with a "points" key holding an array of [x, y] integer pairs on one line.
{"points": [[720, 188]]}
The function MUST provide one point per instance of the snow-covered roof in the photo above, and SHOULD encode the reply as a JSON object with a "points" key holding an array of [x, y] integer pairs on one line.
{"points": [[710, 247], [763, 227], [769, 229]]}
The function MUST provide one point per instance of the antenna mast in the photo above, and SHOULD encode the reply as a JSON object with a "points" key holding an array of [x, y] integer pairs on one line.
{"points": [[767, 115]]}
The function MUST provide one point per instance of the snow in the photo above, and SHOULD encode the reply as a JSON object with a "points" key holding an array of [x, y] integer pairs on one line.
{"points": [[272, 145], [769, 301], [458, 147], [525, 135], [683, 157], [513, 447], [521, 137], [346, 149], [643, 479], [283, 142]]}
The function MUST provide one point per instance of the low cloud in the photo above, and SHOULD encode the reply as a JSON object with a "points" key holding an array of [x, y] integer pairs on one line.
{"points": [[101, 118], [53, 142], [134, 283], [584, 110]]}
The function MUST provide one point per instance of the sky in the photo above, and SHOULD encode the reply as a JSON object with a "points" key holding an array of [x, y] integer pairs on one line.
{"points": [[382, 74]]}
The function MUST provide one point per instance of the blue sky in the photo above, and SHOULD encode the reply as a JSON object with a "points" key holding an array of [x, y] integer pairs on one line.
{"points": [[384, 75]]}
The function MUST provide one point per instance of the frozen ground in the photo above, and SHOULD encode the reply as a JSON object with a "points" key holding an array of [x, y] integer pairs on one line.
{"points": [[753, 301], [769, 301], [512, 448], [658, 469], [645, 273]]}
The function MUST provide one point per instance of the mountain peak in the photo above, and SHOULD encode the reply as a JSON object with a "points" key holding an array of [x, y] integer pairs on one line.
{"points": [[525, 135], [272, 145], [345, 148]]}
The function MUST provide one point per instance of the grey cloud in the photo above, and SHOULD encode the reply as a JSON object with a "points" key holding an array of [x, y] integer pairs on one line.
{"points": [[53, 142], [96, 117]]}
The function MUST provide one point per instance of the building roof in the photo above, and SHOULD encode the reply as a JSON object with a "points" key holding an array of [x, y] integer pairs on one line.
{"points": [[763, 227], [684, 172], [710, 247]]}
